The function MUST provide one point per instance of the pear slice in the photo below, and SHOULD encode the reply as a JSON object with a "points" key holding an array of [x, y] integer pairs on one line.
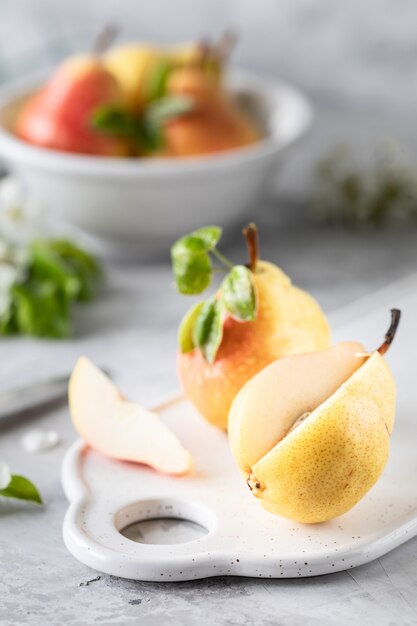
{"points": [[120, 429], [311, 432], [286, 390]]}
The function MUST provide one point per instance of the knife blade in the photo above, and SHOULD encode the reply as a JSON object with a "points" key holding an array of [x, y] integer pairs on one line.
{"points": [[32, 396]]}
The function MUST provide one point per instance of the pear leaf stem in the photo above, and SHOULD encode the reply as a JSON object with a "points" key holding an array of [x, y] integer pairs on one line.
{"points": [[251, 235], [391, 332], [222, 258]]}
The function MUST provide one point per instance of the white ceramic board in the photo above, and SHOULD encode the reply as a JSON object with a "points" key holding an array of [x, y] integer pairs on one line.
{"points": [[242, 538]]}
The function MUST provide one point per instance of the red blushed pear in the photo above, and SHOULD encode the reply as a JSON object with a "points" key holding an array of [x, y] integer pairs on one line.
{"points": [[59, 115], [286, 320], [214, 125]]}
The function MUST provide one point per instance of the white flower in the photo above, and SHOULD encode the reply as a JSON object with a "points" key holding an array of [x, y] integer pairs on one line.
{"points": [[5, 476], [13, 264], [21, 217]]}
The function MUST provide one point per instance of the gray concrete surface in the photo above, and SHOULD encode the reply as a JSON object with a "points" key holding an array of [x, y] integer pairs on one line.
{"points": [[357, 61], [132, 331]]}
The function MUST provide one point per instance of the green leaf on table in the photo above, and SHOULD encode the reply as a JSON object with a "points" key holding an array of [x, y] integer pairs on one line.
{"points": [[186, 329], [41, 310], [238, 294], [208, 328], [84, 265], [21, 488], [48, 265]]}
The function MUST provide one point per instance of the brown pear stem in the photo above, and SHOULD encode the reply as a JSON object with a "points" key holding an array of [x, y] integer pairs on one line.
{"points": [[389, 337], [224, 46], [251, 235], [104, 39]]}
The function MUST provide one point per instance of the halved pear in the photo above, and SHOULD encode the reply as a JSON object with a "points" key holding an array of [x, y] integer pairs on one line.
{"points": [[311, 432], [120, 429]]}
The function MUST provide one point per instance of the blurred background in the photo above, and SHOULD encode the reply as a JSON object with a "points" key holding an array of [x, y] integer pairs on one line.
{"points": [[357, 61]]}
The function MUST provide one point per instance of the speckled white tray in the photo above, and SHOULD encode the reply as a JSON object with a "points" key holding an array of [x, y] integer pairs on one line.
{"points": [[243, 539]]}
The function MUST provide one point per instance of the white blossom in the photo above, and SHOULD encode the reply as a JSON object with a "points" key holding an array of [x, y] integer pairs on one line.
{"points": [[21, 216], [5, 476]]}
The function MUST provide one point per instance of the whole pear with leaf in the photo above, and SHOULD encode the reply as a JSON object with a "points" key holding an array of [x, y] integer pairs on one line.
{"points": [[255, 317]]}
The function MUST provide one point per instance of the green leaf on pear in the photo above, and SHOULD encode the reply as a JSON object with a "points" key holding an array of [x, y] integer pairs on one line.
{"points": [[21, 488], [238, 294], [156, 83], [210, 235], [191, 263], [208, 328], [192, 272], [203, 239], [186, 329], [161, 111], [113, 120]]}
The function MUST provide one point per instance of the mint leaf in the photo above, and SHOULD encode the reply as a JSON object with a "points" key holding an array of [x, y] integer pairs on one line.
{"points": [[238, 294], [208, 329], [186, 329], [21, 488]]}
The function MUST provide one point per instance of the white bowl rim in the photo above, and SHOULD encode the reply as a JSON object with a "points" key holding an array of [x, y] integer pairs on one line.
{"points": [[15, 150]]}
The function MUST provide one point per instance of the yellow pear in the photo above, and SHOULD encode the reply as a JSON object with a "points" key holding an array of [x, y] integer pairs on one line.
{"points": [[132, 65], [121, 429], [311, 432]]}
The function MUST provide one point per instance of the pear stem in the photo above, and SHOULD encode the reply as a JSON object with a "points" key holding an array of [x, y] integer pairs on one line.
{"points": [[251, 235], [224, 46], [389, 337], [104, 39]]}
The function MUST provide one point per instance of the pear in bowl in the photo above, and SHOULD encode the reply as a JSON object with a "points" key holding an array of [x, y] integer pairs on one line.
{"points": [[311, 432]]}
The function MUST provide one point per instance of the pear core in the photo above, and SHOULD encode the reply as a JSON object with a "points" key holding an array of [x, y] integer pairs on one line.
{"points": [[283, 407]]}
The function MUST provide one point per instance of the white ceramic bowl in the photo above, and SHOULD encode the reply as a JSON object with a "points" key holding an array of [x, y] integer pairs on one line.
{"points": [[132, 204]]}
